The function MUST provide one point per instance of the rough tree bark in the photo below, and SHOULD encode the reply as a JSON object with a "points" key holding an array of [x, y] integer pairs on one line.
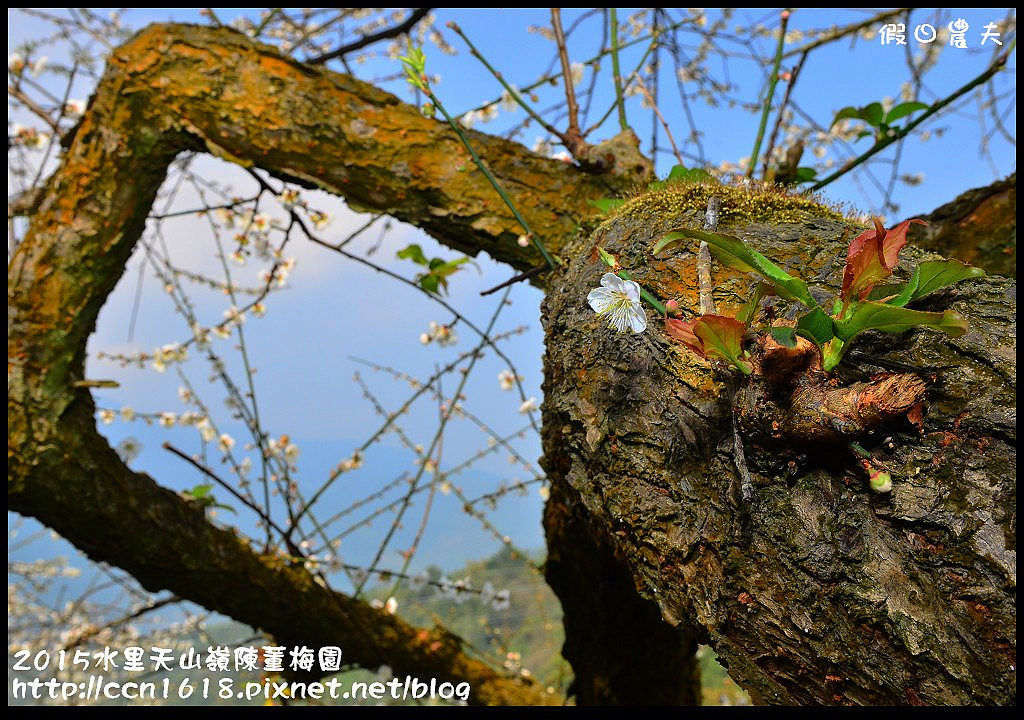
{"points": [[813, 592], [816, 590]]}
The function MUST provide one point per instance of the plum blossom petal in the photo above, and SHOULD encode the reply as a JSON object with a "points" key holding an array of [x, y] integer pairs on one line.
{"points": [[619, 301]]}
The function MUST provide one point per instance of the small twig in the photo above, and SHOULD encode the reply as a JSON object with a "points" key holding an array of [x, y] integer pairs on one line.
{"points": [[995, 67], [92, 632], [33, 107], [773, 80], [707, 300], [508, 88], [402, 28], [572, 138], [778, 118], [636, 70], [650, 98], [213, 476], [517, 278], [613, 22], [490, 177], [842, 32], [212, 15], [593, 61]]}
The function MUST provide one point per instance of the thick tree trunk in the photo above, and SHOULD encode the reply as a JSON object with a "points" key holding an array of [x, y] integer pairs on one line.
{"points": [[816, 590]]}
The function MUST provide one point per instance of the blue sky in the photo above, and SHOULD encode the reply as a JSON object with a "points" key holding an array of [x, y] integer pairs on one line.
{"points": [[335, 309]]}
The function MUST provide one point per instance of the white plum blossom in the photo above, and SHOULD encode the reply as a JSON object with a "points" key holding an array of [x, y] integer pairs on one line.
{"points": [[225, 442], [29, 137], [528, 405], [446, 587], [507, 379], [319, 218], [127, 413], [463, 590], [576, 72], [261, 221], [501, 600], [234, 315], [167, 419], [206, 430], [487, 593], [128, 449], [619, 301], [107, 416], [291, 453]]}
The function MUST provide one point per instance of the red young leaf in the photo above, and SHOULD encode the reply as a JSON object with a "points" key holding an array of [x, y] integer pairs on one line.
{"points": [[712, 336], [872, 257], [682, 331]]}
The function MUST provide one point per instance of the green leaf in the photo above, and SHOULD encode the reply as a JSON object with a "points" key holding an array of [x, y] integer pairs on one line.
{"points": [[785, 336], [816, 326], [832, 352], [733, 252], [934, 275], [872, 114], [606, 257], [722, 337], [606, 204], [847, 112], [668, 240], [805, 174], [888, 294], [444, 269], [902, 110], [429, 283], [893, 319], [748, 312], [200, 492], [414, 253], [677, 172], [696, 175]]}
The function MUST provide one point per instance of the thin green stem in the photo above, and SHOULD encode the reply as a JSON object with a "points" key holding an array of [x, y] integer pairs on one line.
{"points": [[490, 178], [650, 299], [773, 80], [995, 67], [612, 107], [613, 22], [548, 79], [508, 88]]}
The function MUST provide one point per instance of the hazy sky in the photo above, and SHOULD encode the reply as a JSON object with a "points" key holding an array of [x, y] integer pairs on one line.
{"points": [[334, 309]]}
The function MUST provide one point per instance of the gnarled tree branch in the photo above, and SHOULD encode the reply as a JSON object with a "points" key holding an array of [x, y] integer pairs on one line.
{"points": [[174, 88]]}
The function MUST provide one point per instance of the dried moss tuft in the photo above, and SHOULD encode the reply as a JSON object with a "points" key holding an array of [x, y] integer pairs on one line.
{"points": [[754, 203]]}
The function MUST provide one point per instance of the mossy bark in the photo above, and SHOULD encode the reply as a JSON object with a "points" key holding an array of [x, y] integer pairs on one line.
{"points": [[815, 590], [978, 227]]}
